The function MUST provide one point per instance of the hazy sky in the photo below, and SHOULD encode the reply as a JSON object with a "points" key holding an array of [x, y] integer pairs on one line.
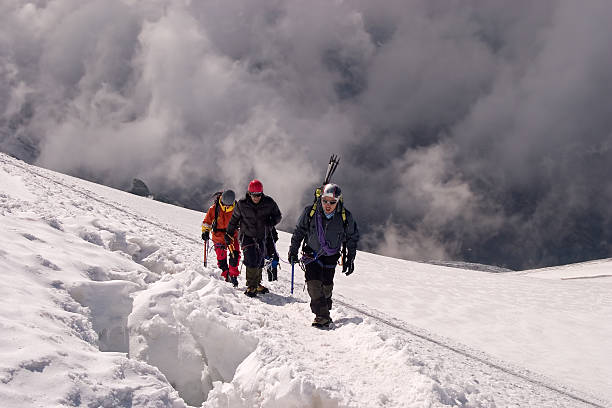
{"points": [[475, 130]]}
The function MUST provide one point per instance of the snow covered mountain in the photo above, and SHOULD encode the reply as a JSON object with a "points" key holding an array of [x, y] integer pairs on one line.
{"points": [[105, 302]]}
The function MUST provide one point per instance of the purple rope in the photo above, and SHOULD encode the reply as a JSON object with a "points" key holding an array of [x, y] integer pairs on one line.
{"points": [[325, 249]]}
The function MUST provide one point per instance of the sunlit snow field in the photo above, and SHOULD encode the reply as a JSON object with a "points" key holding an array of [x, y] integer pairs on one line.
{"points": [[105, 302]]}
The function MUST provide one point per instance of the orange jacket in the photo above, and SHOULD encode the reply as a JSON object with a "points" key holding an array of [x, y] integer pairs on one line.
{"points": [[223, 218]]}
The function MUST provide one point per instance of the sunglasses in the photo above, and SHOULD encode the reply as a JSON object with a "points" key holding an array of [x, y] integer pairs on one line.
{"points": [[328, 202], [256, 194]]}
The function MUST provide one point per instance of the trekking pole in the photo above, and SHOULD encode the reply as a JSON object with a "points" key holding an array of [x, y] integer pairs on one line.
{"points": [[205, 252], [292, 274]]}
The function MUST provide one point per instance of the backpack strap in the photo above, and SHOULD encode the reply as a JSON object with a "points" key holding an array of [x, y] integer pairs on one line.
{"points": [[214, 223], [318, 192], [344, 220]]}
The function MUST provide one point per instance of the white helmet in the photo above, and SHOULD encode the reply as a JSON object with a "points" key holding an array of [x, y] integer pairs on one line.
{"points": [[331, 190]]}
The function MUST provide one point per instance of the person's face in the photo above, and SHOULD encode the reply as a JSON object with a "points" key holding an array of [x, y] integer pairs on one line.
{"points": [[256, 197], [329, 204]]}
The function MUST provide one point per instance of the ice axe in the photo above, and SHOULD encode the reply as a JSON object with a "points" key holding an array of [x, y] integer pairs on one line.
{"points": [[205, 253]]}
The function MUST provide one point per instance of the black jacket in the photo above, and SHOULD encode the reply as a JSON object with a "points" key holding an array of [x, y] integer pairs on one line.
{"points": [[254, 220], [335, 231]]}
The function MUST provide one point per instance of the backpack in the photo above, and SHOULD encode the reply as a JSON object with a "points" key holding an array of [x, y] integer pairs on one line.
{"points": [[217, 196]]}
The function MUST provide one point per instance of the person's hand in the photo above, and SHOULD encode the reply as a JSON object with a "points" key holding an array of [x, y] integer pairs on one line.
{"points": [[206, 235], [349, 264], [228, 239], [293, 257], [274, 234], [348, 268]]}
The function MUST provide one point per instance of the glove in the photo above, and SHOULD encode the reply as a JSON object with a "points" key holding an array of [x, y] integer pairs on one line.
{"points": [[349, 264], [228, 239], [348, 267], [293, 257], [206, 235]]}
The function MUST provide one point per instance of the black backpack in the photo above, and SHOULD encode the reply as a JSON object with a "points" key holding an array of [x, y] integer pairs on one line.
{"points": [[217, 196]]}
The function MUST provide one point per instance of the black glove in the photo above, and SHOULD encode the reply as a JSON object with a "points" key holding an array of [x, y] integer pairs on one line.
{"points": [[206, 235], [349, 264], [293, 257], [228, 239]]}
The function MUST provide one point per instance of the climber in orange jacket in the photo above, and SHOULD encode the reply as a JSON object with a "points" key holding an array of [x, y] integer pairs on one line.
{"points": [[216, 220]]}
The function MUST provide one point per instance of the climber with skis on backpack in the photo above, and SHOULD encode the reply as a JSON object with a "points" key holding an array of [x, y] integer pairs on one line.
{"points": [[327, 229], [255, 215], [216, 220]]}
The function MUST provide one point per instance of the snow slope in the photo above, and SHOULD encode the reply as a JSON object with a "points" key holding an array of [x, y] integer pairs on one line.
{"points": [[105, 302]]}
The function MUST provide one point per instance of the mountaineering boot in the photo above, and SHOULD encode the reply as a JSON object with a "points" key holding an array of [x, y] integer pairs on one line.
{"points": [[251, 291], [262, 289], [234, 280], [321, 321]]}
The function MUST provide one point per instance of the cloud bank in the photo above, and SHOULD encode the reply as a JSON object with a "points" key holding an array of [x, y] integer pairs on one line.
{"points": [[467, 130]]}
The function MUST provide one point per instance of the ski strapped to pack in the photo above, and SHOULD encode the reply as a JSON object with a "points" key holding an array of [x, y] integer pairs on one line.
{"points": [[334, 160]]}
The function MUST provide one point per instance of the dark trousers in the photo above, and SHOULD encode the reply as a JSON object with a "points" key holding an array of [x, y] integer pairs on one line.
{"points": [[271, 256], [320, 283], [271, 249], [253, 251], [234, 259]]}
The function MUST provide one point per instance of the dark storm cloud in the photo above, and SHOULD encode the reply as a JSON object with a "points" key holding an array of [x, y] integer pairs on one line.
{"points": [[476, 130]]}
